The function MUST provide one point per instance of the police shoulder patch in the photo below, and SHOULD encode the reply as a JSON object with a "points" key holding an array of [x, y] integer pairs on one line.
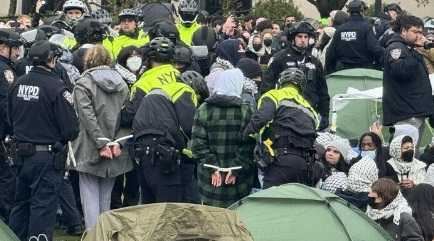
{"points": [[9, 76], [395, 53], [68, 97]]}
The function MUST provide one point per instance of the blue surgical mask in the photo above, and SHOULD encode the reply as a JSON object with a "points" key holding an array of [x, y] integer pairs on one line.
{"points": [[370, 154]]}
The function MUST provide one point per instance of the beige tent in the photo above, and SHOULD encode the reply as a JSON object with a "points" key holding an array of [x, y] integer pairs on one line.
{"points": [[169, 222]]}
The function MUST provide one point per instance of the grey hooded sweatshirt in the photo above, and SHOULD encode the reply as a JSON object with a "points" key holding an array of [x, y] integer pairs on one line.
{"points": [[99, 96]]}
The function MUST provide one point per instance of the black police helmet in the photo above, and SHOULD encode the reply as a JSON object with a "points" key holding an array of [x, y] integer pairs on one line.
{"points": [[89, 30], [10, 38], [301, 27], [183, 55], [161, 50], [196, 82], [356, 6], [46, 31], [129, 13], [164, 29], [292, 75], [43, 51]]}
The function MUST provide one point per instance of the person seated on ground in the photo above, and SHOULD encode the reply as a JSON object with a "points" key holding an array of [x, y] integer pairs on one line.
{"points": [[360, 178], [332, 168], [421, 201], [403, 167], [389, 208], [370, 146]]}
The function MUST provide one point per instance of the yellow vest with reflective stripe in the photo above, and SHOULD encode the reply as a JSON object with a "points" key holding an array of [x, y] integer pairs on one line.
{"points": [[175, 90], [155, 78], [291, 97], [120, 42], [186, 34]]}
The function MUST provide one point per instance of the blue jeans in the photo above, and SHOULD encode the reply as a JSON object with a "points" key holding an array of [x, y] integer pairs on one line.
{"points": [[37, 197]]}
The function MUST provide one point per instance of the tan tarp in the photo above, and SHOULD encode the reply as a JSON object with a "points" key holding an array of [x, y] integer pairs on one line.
{"points": [[169, 222]]}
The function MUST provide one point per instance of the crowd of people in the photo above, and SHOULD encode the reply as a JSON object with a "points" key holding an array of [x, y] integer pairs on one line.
{"points": [[205, 109]]}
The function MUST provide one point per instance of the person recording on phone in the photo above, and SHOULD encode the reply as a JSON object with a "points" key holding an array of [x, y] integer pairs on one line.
{"points": [[407, 94]]}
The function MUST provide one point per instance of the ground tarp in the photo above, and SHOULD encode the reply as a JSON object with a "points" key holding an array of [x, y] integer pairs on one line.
{"points": [[168, 222]]}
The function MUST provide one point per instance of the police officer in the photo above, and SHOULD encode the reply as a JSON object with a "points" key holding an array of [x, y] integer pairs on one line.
{"points": [[354, 44], [297, 55], [160, 72], [9, 52], [288, 123], [129, 33], [43, 121], [87, 32], [407, 98], [162, 128], [74, 10], [188, 11], [24, 65]]}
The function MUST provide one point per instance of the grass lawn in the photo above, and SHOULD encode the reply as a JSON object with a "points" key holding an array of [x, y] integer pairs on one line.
{"points": [[59, 235]]}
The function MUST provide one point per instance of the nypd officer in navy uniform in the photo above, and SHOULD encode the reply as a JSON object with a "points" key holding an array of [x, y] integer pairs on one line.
{"points": [[43, 120], [9, 52], [407, 94], [297, 55], [354, 44]]}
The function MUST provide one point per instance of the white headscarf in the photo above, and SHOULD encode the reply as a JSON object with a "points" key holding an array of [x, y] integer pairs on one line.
{"points": [[362, 175], [414, 169], [229, 82]]}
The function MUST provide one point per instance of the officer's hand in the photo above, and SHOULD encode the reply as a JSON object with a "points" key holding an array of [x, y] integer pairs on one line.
{"points": [[105, 153], [324, 124], [116, 150], [216, 179], [230, 179]]}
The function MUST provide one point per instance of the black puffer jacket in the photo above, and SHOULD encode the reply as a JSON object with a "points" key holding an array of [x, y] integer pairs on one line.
{"points": [[406, 86]]}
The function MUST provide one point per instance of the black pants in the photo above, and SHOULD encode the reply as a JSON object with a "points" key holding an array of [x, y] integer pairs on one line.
{"points": [[287, 168], [7, 190], [180, 186], [126, 185], [37, 197]]}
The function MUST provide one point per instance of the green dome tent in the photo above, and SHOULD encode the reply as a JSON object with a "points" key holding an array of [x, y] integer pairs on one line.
{"points": [[294, 212], [6, 233], [355, 118]]}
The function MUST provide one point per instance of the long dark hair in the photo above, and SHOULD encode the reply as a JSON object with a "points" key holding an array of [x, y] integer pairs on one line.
{"points": [[379, 155], [421, 201], [341, 166]]}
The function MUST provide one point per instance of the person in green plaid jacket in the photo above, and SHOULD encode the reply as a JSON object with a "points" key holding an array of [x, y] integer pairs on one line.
{"points": [[217, 140]]}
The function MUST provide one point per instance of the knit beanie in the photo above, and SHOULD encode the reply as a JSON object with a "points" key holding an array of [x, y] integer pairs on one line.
{"points": [[250, 68], [342, 145]]}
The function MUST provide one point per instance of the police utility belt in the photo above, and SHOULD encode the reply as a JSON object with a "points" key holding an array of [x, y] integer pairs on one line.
{"points": [[158, 153], [26, 150]]}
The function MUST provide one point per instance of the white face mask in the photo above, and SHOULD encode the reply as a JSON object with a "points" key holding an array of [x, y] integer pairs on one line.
{"points": [[370, 154], [134, 63]]}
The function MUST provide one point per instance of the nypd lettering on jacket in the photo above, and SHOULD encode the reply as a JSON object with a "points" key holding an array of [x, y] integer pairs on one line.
{"points": [[28, 92], [349, 36]]}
